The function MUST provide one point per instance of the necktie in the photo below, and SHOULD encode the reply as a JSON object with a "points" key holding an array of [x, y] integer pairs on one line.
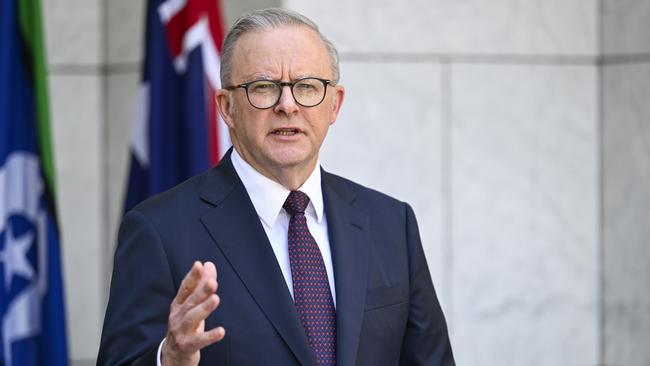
{"points": [[311, 290]]}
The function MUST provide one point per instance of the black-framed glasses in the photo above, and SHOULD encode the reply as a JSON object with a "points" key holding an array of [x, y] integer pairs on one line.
{"points": [[265, 94]]}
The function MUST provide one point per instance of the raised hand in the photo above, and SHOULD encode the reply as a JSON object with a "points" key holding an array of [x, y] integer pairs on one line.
{"points": [[195, 300]]}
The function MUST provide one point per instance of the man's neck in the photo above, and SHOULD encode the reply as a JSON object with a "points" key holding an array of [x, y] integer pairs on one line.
{"points": [[291, 178]]}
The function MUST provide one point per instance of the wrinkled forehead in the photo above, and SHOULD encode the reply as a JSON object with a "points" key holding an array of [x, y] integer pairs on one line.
{"points": [[286, 51]]}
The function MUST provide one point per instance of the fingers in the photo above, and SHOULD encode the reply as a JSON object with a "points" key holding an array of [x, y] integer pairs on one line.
{"points": [[198, 313], [209, 271], [190, 282], [193, 343], [212, 336], [201, 276], [201, 292], [195, 301]]}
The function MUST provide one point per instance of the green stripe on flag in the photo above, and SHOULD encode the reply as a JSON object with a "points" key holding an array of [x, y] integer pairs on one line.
{"points": [[29, 19]]}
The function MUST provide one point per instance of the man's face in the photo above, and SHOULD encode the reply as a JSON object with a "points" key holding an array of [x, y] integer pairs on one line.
{"points": [[288, 135]]}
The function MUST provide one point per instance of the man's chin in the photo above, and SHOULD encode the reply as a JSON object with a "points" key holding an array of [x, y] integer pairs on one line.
{"points": [[293, 161]]}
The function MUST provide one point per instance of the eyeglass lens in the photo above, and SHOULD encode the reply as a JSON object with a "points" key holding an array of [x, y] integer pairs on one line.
{"points": [[306, 92]]}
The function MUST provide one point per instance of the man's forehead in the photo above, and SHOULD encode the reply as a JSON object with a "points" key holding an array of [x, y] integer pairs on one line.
{"points": [[292, 39], [264, 53], [297, 29]]}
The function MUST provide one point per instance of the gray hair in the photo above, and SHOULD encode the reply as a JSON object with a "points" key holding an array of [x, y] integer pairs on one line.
{"points": [[267, 19]]}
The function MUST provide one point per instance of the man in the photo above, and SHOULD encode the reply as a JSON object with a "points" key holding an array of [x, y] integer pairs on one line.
{"points": [[312, 268]]}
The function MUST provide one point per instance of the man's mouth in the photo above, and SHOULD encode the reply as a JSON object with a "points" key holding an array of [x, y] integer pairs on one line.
{"points": [[286, 131]]}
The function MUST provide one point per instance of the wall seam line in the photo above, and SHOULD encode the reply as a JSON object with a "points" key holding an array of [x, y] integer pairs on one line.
{"points": [[600, 155], [446, 187], [106, 153]]}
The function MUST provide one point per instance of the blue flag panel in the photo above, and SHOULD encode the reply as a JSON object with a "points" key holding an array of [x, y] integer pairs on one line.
{"points": [[32, 329]]}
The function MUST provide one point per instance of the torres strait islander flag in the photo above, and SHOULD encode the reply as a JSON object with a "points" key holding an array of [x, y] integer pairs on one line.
{"points": [[177, 130], [32, 323]]}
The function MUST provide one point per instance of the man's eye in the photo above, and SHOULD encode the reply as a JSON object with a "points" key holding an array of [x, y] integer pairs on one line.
{"points": [[305, 87], [262, 87]]}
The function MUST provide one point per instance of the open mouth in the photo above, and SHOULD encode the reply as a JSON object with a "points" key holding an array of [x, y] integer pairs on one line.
{"points": [[286, 131]]}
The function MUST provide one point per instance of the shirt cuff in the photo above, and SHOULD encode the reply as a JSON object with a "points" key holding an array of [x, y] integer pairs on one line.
{"points": [[158, 359]]}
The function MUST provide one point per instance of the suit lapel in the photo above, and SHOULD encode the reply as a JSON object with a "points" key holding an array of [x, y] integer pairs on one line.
{"points": [[236, 229], [349, 239]]}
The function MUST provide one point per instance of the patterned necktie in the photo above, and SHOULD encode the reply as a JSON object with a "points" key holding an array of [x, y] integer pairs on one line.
{"points": [[311, 289]]}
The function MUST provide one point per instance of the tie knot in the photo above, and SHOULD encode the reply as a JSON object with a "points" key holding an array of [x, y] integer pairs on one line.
{"points": [[296, 202]]}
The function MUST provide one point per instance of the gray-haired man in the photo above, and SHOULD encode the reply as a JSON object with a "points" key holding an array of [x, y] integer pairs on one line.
{"points": [[313, 269]]}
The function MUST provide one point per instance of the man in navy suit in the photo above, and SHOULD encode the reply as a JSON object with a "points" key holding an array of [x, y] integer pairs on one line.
{"points": [[375, 302]]}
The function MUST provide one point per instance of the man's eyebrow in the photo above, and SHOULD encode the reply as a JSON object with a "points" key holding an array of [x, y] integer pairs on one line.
{"points": [[263, 76], [257, 76], [302, 76]]}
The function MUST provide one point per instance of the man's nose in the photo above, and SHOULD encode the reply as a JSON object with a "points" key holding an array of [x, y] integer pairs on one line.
{"points": [[286, 104]]}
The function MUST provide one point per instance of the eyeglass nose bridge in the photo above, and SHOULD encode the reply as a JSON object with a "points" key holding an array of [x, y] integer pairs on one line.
{"points": [[282, 85]]}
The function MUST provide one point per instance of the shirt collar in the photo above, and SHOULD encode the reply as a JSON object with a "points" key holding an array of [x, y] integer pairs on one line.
{"points": [[268, 196]]}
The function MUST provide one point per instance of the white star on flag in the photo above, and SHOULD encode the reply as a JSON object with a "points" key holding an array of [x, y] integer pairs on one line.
{"points": [[14, 256]]}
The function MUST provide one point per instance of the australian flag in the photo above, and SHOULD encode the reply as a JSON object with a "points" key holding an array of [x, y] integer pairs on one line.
{"points": [[177, 132], [32, 323]]}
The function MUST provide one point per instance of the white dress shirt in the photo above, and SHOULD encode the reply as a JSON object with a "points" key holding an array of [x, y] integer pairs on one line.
{"points": [[268, 197]]}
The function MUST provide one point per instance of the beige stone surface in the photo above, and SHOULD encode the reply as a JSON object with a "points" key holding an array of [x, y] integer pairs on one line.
{"points": [[626, 25], [626, 214], [77, 131], [73, 32], [524, 215], [501, 27]]}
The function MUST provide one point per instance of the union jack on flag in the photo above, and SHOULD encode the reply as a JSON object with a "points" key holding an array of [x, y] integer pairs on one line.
{"points": [[177, 130]]}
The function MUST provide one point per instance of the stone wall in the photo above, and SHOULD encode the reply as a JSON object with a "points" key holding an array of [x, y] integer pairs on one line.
{"points": [[518, 130]]}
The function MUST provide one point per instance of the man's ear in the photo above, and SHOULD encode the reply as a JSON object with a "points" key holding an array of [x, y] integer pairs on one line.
{"points": [[337, 101], [224, 105]]}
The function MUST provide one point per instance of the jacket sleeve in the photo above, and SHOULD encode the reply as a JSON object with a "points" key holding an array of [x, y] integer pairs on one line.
{"points": [[426, 341], [142, 289]]}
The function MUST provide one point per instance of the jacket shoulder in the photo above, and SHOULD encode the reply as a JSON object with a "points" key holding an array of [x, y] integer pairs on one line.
{"points": [[184, 197], [362, 196]]}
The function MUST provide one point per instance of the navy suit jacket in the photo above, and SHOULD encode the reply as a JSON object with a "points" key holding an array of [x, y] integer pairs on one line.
{"points": [[387, 312]]}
